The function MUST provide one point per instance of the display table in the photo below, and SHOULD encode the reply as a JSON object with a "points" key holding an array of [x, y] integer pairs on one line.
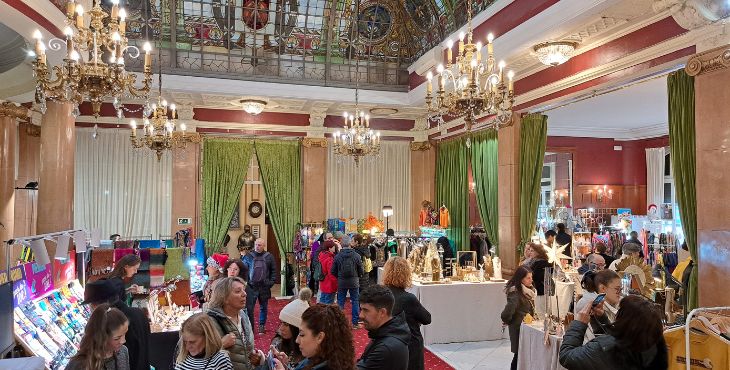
{"points": [[23, 363], [462, 312], [565, 292], [533, 353]]}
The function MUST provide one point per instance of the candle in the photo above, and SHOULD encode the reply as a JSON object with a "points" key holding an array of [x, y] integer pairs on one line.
{"points": [[95, 51], [79, 16], [183, 127], [69, 40], [479, 52], [429, 87], [449, 52], [461, 42], [367, 120], [133, 123], [38, 43], [441, 83], [147, 56], [115, 10], [70, 8], [122, 22], [501, 71], [511, 76], [490, 46]]}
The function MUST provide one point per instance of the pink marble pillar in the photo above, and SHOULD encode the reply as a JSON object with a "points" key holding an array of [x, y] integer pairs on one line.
{"points": [[56, 184], [8, 146], [185, 187], [314, 176], [509, 191]]}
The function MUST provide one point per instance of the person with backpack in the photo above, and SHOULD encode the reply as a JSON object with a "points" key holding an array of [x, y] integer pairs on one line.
{"points": [[322, 272], [262, 276], [359, 245], [348, 269]]}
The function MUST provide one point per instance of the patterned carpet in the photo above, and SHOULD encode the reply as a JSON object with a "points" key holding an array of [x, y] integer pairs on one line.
{"points": [[360, 335]]}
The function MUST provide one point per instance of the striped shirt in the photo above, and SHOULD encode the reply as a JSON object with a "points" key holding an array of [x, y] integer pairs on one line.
{"points": [[219, 361]]}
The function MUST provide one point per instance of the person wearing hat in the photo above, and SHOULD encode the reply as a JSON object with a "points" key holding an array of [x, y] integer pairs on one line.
{"points": [[215, 263], [105, 291], [284, 345]]}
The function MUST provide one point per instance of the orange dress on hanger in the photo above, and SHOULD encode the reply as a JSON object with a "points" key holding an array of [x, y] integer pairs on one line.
{"points": [[423, 218], [444, 217]]}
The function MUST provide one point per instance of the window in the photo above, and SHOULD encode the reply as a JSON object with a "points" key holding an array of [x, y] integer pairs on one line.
{"points": [[669, 196], [547, 184]]}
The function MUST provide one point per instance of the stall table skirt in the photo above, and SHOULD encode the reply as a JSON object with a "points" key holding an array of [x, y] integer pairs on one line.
{"points": [[533, 354], [462, 312], [162, 347]]}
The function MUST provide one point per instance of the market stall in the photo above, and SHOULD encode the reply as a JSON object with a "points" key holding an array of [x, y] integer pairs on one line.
{"points": [[536, 351]]}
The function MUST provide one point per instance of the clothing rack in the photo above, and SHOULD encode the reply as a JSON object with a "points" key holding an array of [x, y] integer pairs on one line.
{"points": [[688, 358]]}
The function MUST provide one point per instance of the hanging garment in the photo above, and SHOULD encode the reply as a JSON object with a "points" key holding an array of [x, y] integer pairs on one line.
{"points": [[144, 256], [707, 350], [149, 244], [176, 264], [423, 218], [444, 217], [157, 268], [121, 252]]}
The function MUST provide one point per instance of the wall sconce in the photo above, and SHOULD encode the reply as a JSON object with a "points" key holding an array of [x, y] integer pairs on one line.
{"points": [[559, 197], [603, 195]]}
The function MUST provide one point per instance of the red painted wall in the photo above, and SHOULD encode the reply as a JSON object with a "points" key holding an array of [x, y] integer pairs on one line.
{"points": [[597, 163]]}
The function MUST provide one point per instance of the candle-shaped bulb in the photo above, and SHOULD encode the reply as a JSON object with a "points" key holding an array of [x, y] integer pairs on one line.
{"points": [[429, 76], [345, 115], [440, 68], [112, 60], [115, 2], [183, 127], [37, 35], [147, 47], [70, 8], [510, 77], [74, 55], [172, 107], [473, 63], [502, 64], [120, 61], [79, 10], [116, 37], [449, 44], [122, 14], [154, 106], [133, 123], [490, 38], [461, 36], [68, 31], [479, 46], [164, 103]]}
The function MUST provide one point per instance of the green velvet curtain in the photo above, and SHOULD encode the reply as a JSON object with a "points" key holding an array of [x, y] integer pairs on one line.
{"points": [[279, 163], [533, 136], [484, 164], [225, 162], [681, 89], [452, 189]]}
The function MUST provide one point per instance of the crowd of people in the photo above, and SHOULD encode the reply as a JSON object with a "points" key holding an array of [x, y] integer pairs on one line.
{"points": [[310, 336]]}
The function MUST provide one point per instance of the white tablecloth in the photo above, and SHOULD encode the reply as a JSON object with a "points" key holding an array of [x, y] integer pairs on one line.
{"points": [[462, 312], [533, 354], [564, 292]]}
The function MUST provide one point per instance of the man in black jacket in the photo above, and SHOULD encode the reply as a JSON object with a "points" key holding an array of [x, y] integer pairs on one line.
{"points": [[389, 336], [348, 269], [137, 338], [262, 276]]}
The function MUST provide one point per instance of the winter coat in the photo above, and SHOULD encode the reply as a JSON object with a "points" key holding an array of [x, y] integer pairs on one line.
{"points": [[305, 363], [415, 315], [244, 343], [329, 284], [388, 347], [538, 267], [364, 252], [269, 280], [518, 306], [603, 352], [137, 337], [347, 255]]}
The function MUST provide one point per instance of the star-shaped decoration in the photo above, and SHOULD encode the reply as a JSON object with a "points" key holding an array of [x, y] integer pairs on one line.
{"points": [[556, 253]]}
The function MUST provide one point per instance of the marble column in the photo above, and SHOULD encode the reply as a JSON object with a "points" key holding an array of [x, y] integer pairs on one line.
{"points": [[509, 191], [712, 71], [9, 113], [314, 179], [56, 183], [423, 177]]}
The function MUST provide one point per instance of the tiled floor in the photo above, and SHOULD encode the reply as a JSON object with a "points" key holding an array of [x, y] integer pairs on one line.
{"points": [[489, 355]]}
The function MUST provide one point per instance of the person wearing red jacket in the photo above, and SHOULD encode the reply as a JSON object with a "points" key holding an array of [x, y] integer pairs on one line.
{"points": [[328, 286]]}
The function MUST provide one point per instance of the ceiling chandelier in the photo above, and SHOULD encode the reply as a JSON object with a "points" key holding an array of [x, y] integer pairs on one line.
{"points": [[253, 106], [473, 86], [93, 69], [160, 131], [555, 53], [357, 140]]}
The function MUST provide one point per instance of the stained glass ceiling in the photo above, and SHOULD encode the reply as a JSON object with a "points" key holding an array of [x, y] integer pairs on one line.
{"points": [[297, 41]]}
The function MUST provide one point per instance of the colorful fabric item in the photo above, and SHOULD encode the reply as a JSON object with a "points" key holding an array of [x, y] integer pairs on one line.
{"points": [[123, 244], [149, 244], [169, 243], [144, 255], [102, 261], [157, 276], [121, 252], [141, 278], [181, 295], [176, 264], [157, 257]]}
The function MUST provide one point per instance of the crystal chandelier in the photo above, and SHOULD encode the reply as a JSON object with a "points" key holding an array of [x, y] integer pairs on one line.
{"points": [[160, 131], [252, 106], [471, 87], [93, 69], [555, 53]]}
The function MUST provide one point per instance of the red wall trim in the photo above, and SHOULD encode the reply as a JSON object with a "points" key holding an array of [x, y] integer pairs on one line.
{"points": [[239, 116], [375, 123], [35, 16], [249, 132]]}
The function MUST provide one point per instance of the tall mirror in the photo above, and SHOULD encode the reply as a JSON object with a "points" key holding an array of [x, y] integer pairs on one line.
{"points": [[556, 190]]}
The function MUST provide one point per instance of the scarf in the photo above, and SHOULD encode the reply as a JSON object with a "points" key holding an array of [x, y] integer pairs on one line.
{"points": [[529, 292]]}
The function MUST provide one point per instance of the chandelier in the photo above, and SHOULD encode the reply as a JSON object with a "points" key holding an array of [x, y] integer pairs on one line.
{"points": [[93, 69], [555, 53], [252, 106], [473, 86], [160, 131]]}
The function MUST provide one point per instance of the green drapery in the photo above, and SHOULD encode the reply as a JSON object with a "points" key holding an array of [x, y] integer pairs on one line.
{"points": [[279, 164], [452, 189], [484, 165], [533, 136], [681, 89], [225, 162]]}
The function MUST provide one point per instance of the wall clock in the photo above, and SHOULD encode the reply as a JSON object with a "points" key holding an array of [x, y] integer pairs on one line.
{"points": [[255, 209]]}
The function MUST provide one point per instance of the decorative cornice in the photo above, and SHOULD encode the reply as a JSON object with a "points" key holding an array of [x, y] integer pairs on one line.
{"points": [[691, 14], [8, 109], [709, 61], [185, 112], [420, 146], [310, 142]]}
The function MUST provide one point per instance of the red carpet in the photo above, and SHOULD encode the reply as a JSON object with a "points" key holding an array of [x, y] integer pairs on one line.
{"points": [[360, 335]]}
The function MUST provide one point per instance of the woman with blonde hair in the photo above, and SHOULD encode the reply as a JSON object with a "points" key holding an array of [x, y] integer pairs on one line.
{"points": [[226, 308], [200, 347], [102, 347], [397, 277]]}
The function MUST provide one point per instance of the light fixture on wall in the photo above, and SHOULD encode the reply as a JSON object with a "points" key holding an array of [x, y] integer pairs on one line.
{"points": [[555, 53], [252, 106]]}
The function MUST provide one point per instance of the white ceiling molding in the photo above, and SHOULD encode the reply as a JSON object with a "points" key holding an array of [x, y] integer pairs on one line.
{"points": [[619, 134]]}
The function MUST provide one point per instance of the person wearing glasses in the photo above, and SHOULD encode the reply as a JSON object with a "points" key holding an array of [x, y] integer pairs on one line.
{"points": [[606, 282], [594, 262]]}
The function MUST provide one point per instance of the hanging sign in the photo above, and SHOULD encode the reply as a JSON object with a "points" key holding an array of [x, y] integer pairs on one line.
{"points": [[38, 278]]}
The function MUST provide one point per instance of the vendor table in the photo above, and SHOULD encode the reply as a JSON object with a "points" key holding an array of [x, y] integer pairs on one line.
{"points": [[462, 312], [533, 353], [23, 363], [564, 292]]}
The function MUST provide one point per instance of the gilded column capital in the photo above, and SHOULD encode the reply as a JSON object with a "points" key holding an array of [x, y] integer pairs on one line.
{"points": [[420, 146], [314, 142], [9, 109], [709, 61]]}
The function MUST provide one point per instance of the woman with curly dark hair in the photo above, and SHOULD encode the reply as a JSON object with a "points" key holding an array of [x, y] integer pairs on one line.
{"points": [[325, 339], [236, 268]]}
